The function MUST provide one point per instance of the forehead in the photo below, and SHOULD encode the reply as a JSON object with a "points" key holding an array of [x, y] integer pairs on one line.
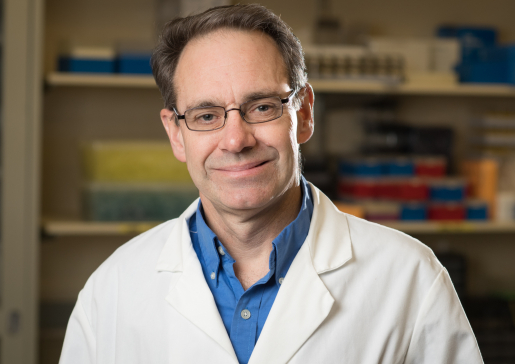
{"points": [[226, 65]]}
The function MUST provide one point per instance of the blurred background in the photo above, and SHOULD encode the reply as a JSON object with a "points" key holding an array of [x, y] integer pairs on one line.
{"points": [[415, 129]]}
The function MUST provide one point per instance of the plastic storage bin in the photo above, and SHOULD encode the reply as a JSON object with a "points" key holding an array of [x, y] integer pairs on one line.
{"points": [[88, 60], [134, 63], [136, 202], [447, 190], [133, 161], [413, 212]]}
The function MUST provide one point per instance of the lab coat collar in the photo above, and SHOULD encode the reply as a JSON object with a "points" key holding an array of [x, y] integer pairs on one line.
{"points": [[326, 226], [327, 247]]}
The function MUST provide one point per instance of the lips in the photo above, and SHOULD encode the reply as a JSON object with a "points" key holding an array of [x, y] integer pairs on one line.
{"points": [[242, 167]]}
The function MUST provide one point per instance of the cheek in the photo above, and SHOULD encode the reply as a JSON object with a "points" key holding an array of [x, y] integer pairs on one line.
{"points": [[197, 151]]}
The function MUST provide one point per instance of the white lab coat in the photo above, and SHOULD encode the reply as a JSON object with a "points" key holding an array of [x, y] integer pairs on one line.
{"points": [[356, 293]]}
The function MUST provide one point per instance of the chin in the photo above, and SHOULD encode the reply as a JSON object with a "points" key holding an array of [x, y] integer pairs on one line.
{"points": [[246, 200]]}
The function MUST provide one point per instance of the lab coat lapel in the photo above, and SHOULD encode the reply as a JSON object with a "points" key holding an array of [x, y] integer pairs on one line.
{"points": [[301, 305], [190, 294], [303, 301]]}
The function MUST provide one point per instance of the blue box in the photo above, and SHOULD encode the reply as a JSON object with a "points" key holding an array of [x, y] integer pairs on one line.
{"points": [[400, 167], [445, 191], [483, 36], [477, 210], [362, 167], [472, 39], [134, 63], [413, 212], [490, 65], [86, 65]]}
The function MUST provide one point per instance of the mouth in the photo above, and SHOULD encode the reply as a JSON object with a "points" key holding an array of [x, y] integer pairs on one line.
{"points": [[243, 167]]}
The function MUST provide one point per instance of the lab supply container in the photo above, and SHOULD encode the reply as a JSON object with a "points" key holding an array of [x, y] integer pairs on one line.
{"points": [[482, 176], [477, 210], [352, 209], [413, 211], [136, 201], [400, 166], [490, 65], [382, 211], [357, 188], [447, 190], [388, 188], [133, 63], [87, 60], [362, 166], [133, 161], [430, 166], [413, 189], [446, 211]]}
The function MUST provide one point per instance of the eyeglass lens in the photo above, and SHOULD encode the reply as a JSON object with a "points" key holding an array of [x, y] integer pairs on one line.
{"points": [[254, 111]]}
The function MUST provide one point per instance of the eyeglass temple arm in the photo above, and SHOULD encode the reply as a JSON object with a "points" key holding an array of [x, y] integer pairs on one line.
{"points": [[177, 114], [285, 100]]}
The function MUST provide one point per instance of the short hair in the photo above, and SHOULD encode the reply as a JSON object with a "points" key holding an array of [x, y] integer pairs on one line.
{"points": [[178, 32]]}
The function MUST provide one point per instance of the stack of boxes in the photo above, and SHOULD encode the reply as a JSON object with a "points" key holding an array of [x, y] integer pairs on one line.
{"points": [[135, 181], [407, 188], [80, 59], [483, 59]]}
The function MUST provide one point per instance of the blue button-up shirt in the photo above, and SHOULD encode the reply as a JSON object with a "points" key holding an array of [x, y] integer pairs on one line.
{"points": [[234, 303]]}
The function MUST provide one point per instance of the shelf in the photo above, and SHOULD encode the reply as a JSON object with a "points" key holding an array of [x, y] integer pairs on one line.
{"points": [[87, 228], [100, 80], [464, 227], [356, 87], [327, 86]]}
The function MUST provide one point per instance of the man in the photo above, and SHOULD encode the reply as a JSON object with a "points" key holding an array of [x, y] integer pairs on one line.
{"points": [[263, 269]]}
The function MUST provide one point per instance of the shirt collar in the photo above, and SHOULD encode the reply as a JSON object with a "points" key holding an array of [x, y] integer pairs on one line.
{"points": [[208, 241], [285, 245]]}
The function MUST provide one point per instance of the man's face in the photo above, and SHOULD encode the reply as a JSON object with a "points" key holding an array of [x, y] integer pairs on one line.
{"points": [[240, 166]]}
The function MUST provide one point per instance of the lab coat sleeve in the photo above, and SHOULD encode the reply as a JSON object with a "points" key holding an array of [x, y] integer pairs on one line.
{"points": [[442, 333], [79, 343]]}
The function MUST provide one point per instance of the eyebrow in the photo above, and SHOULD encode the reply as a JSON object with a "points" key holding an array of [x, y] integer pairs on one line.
{"points": [[247, 97]]}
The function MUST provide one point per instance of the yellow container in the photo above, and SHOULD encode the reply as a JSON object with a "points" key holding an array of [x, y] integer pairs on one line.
{"points": [[133, 161]]}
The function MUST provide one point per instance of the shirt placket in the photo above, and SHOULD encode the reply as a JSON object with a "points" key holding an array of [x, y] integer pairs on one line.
{"points": [[244, 328]]}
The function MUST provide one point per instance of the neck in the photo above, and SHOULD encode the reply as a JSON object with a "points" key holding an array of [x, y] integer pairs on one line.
{"points": [[248, 235]]}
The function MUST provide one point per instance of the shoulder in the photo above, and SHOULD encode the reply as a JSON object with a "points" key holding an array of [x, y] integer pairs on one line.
{"points": [[383, 238], [143, 247], [391, 250], [134, 260]]}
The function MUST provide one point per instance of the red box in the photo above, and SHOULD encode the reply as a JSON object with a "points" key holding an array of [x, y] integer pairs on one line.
{"points": [[430, 166], [414, 190], [446, 212], [387, 189]]}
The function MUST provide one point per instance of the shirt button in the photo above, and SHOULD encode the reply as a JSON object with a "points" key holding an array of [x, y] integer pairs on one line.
{"points": [[281, 280], [213, 275], [245, 314], [221, 250]]}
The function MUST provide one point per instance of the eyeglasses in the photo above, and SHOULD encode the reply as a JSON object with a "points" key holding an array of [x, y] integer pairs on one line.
{"points": [[257, 111]]}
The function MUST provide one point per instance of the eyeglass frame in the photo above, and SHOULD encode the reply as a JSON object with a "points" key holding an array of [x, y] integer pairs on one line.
{"points": [[283, 102]]}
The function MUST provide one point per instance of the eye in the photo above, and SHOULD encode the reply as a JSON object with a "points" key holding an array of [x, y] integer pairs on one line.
{"points": [[207, 117], [263, 108]]}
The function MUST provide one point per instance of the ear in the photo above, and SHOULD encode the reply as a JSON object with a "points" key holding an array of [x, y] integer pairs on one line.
{"points": [[174, 134], [305, 119]]}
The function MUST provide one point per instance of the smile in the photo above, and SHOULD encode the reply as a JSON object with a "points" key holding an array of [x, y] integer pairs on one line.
{"points": [[242, 167]]}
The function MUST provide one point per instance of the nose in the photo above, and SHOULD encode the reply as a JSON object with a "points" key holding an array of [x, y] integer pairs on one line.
{"points": [[237, 133]]}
